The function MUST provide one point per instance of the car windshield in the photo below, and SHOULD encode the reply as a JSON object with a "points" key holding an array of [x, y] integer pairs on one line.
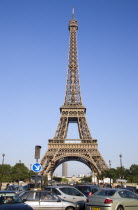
{"points": [[84, 188], [12, 187], [105, 192], [8, 198]]}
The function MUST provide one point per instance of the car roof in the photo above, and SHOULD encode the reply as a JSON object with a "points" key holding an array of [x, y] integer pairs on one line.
{"points": [[36, 191], [115, 189], [86, 185], [59, 186], [8, 191]]}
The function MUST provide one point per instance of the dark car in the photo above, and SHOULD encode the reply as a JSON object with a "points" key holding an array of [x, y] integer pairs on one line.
{"points": [[129, 188], [87, 190], [11, 201], [26, 187], [17, 188]]}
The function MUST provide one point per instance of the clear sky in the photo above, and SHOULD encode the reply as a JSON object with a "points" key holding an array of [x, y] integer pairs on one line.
{"points": [[34, 42]]}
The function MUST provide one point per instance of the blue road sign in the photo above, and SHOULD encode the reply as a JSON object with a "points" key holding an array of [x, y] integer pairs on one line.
{"points": [[36, 167]]}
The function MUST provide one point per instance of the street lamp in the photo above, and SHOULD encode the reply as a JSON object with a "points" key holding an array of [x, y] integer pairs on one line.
{"points": [[37, 156], [120, 160], [110, 168], [121, 163], [3, 155], [3, 158], [109, 163]]}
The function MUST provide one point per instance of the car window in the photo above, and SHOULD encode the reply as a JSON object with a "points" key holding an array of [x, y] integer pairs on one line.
{"points": [[56, 191], [94, 190], [7, 198], [47, 196], [106, 192], [84, 189], [24, 195], [11, 187], [127, 194], [33, 196], [20, 187], [71, 191], [48, 189]]}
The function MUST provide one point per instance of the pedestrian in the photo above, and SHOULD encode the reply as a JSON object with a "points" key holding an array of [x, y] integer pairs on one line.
{"points": [[0, 185], [7, 184]]}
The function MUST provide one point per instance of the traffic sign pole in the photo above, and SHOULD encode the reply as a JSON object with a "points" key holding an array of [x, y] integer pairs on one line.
{"points": [[36, 176], [36, 168]]}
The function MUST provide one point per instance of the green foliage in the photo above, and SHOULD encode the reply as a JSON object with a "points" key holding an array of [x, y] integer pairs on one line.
{"points": [[60, 179], [131, 175], [86, 179], [57, 179], [20, 172], [64, 180], [110, 173], [5, 173]]}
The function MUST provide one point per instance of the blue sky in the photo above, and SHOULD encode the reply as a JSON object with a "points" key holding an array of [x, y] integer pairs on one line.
{"points": [[34, 42]]}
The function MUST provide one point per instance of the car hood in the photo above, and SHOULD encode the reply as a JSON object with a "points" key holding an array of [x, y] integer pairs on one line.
{"points": [[15, 206]]}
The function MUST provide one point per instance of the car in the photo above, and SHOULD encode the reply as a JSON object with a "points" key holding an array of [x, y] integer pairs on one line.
{"points": [[17, 188], [128, 188], [47, 200], [112, 199], [26, 187], [67, 193], [87, 190], [70, 194], [11, 201]]}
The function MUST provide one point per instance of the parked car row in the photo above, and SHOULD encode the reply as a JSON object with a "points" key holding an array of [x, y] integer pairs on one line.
{"points": [[80, 197]]}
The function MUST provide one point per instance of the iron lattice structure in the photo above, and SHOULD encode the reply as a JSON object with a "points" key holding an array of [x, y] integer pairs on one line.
{"points": [[84, 149]]}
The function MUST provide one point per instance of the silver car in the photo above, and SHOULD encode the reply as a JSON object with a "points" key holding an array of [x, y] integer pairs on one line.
{"points": [[67, 193], [46, 200], [113, 199], [70, 194]]}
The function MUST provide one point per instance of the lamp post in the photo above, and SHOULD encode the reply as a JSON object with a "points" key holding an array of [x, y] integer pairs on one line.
{"points": [[121, 163], [109, 163], [37, 156], [120, 160], [30, 172], [3, 155], [110, 168]]}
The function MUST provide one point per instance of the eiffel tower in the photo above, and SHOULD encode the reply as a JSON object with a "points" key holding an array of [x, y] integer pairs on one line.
{"points": [[84, 149]]}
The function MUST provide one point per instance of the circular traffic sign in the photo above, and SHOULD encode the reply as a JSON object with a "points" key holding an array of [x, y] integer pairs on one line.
{"points": [[36, 167]]}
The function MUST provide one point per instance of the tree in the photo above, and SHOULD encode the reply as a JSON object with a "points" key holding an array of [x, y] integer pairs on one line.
{"points": [[5, 173], [20, 172], [57, 179], [133, 174], [87, 179], [121, 172]]}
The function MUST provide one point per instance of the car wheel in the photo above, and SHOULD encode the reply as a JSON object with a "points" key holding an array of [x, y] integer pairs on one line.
{"points": [[120, 208], [70, 208]]}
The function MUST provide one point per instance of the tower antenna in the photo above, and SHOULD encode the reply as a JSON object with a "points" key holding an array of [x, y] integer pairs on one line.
{"points": [[73, 13]]}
